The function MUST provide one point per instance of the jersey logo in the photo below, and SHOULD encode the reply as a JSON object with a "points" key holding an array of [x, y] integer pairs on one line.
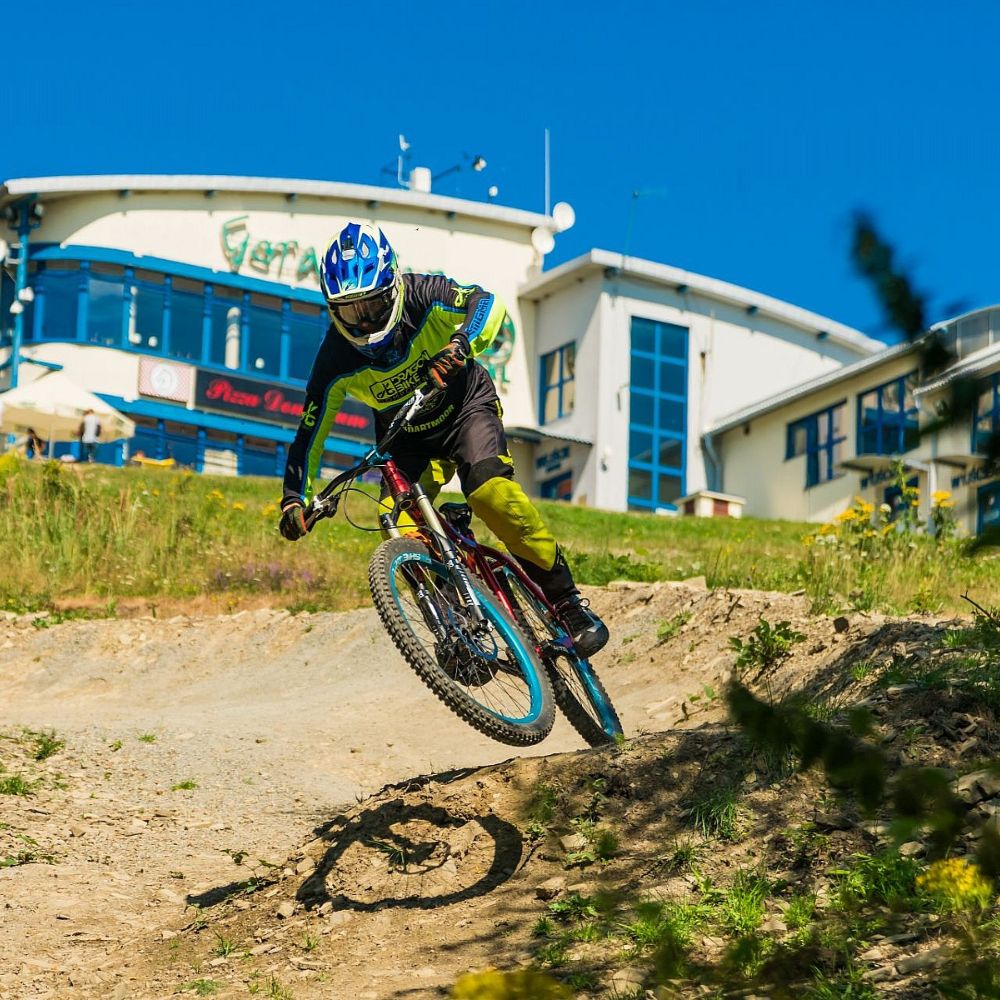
{"points": [[402, 384], [461, 296], [309, 416]]}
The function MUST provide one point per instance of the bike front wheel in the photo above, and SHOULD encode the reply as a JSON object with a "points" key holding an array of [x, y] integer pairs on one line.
{"points": [[486, 672], [578, 690]]}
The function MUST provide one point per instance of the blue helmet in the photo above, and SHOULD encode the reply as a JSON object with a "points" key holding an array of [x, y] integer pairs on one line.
{"points": [[363, 288]]}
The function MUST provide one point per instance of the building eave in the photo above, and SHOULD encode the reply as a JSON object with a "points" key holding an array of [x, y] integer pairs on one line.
{"points": [[64, 186], [616, 265]]}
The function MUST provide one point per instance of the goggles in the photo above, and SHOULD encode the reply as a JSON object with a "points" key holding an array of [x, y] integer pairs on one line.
{"points": [[368, 315]]}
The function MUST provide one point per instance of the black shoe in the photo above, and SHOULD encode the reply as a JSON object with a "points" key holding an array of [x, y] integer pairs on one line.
{"points": [[588, 632]]}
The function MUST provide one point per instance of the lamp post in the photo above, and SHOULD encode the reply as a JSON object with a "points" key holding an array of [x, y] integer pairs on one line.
{"points": [[24, 216]]}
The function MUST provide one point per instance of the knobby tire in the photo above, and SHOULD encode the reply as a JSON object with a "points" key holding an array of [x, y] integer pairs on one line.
{"points": [[397, 553], [597, 723]]}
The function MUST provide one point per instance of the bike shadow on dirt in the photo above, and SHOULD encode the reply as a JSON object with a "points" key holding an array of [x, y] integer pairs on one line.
{"points": [[405, 855]]}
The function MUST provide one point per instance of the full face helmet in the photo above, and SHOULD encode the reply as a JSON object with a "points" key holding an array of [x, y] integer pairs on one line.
{"points": [[363, 288]]}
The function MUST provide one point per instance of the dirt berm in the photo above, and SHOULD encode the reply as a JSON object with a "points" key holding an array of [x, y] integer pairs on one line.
{"points": [[271, 803]]}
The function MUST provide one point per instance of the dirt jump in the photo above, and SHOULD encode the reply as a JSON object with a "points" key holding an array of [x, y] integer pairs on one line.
{"points": [[273, 804]]}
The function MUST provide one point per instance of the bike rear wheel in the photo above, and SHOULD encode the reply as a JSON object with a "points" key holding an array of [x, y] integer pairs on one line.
{"points": [[489, 676], [578, 690]]}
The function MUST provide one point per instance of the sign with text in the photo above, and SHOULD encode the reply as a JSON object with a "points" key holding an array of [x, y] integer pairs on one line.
{"points": [[265, 401]]}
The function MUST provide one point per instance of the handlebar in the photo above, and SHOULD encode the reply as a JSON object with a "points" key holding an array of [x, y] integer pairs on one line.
{"points": [[325, 503]]}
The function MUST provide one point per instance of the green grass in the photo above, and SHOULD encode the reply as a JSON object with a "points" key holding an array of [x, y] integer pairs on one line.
{"points": [[184, 786], [714, 812], [15, 784], [101, 535], [44, 744]]}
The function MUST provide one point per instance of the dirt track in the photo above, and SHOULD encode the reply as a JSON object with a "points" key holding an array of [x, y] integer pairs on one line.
{"points": [[277, 725]]}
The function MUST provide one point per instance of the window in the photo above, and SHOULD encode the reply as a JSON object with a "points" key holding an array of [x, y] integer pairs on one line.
{"points": [[987, 425], [225, 313], [187, 318], [307, 325], [146, 315], [888, 422], [59, 289], [820, 438], [264, 346], [106, 303], [558, 373], [657, 414]]}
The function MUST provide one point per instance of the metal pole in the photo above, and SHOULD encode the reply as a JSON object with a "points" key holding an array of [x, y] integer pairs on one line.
{"points": [[547, 167], [20, 282]]}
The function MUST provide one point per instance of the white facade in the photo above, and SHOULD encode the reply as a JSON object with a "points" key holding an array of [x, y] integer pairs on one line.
{"points": [[101, 243], [763, 460], [741, 347]]}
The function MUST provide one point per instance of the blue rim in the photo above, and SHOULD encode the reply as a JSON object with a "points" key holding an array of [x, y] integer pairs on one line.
{"points": [[495, 618], [586, 674]]}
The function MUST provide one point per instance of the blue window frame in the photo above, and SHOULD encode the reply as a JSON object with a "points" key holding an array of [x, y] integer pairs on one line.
{"points": [[116, 303], [557, 383], [988, 504], [987, 422], [819, 437], [657, 462], [888, 419]]}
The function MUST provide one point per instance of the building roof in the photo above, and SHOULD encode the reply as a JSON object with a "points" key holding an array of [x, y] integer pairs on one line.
{"points": [[618, 265], [55, 187], [803, 389]]}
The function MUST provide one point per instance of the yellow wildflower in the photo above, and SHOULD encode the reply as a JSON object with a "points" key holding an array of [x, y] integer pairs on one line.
{"points": [[239, 505], [956, 884], [269, 510]]}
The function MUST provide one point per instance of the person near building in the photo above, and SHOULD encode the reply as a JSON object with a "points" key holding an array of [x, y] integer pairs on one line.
{"points": [[34, 446], [389, 333], [90, 432]]}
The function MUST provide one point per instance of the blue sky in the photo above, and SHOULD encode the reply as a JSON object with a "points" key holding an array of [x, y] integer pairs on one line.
{"points": [[753, 131]]}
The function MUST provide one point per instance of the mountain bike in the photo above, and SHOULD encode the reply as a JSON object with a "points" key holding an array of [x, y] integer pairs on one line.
{"points": [[465, 616]]}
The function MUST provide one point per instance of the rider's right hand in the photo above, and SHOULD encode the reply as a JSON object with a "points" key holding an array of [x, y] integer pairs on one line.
{"points": [[293, 520]]}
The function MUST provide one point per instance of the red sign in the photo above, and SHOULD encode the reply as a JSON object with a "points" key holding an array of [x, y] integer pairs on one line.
{"points": [[280, 405]]}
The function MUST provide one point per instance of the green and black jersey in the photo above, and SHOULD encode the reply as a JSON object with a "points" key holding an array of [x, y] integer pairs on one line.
{"points": [[435, 309]]}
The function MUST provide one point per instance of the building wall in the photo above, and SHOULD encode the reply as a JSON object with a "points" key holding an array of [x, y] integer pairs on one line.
{"points": [[734, 359], [210, 232], [753, 456]]}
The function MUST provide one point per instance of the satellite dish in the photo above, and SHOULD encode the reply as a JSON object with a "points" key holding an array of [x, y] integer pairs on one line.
{"points": [[542, 240], [563, 216]]}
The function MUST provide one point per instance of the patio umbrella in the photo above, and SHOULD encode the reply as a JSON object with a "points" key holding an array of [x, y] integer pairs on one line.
{"points": [[54, 406]]}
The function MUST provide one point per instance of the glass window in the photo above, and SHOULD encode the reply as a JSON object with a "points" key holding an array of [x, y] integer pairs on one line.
{"points": [[264, 354], [668, 489], [307, 326], [640, 446], [822, 435], [187, 318], [147, 311], [888, 419], [106, 303], [643, 335], [673, 378], [59, 288], [181, 443], [640, 485], [557, 389], [986, 427], [671, 453], [657, 412], [225, 313], [643, 408]]}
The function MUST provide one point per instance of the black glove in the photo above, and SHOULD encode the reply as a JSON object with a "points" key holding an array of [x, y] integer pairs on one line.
{"points": [[293, 520], [446, 364]]}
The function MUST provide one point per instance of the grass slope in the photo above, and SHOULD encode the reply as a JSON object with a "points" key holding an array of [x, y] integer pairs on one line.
{"points": [[105, 538]]}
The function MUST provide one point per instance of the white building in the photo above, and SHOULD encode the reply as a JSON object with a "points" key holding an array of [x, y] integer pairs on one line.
{"points": [[805, 453], [192, 305]]}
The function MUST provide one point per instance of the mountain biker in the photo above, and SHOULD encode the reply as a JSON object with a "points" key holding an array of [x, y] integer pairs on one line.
{"points": [[389, 333]]}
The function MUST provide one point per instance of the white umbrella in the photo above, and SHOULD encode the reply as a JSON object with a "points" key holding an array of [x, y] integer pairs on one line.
{"points": [[53, 406]]}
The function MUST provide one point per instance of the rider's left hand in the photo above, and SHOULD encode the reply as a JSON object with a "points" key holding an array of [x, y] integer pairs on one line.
{"points": [[446, 364]]}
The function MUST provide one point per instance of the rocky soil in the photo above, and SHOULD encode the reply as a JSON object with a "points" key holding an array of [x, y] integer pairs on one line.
{"points": [[273, 804]]}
